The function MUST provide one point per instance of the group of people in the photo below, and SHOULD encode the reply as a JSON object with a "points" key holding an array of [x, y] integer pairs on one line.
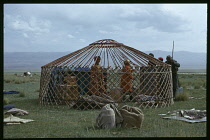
{"points": [[97, 83], [174, 68]]}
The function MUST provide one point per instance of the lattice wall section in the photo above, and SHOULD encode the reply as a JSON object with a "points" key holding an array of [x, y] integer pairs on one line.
{"points": [[151, 87]]}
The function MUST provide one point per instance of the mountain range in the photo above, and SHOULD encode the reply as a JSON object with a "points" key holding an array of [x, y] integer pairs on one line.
{"points": [[29, 61]]}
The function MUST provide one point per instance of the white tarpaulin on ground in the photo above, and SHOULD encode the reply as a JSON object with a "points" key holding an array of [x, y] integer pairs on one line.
{"points": [[191, 116], [16, 111], [186, 120], [15, 120]]}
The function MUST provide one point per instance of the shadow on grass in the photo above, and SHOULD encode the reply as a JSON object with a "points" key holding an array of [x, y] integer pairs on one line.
{"points": [[93, 128]]}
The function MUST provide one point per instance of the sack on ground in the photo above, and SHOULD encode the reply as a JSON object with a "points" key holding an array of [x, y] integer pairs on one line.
{"points": [[132, 117], [118, 116], [106, 118], [109, 117]]}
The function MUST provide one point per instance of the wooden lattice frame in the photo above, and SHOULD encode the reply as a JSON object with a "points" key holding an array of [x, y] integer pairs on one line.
{"points": [[69, 79]]}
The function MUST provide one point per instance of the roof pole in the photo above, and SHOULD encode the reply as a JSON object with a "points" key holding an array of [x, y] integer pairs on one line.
{"points": [[173, 49]]}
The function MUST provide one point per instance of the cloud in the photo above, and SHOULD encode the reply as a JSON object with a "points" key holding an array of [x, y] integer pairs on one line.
{"points": [[32, 24], [107, 32], [144, 25], [103, 32], [25, 35], [20, 25], [70, 36], [155, 17], [82, 40], [137, 16]]}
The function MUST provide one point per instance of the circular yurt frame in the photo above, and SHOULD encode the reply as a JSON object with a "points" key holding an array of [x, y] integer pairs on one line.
{"points": [[96, 75]]}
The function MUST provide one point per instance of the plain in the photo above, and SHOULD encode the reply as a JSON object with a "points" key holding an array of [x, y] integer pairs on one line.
{"points": [[64, 122]]}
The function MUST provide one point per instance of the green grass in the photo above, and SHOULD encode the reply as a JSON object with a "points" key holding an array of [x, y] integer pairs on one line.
{"points": [[192, 70], [63, 122], [184, 96], [6, 101], [22, 94], [193, 81], [11, 78]]}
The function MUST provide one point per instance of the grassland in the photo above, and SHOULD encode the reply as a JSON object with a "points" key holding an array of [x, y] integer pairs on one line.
{"points": [[192, 71], [63, 122]]}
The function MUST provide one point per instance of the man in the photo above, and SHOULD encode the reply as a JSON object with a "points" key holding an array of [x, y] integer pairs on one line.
{"points": [[97, 84], [150, 62], [160, 58], [174, 68], [126, 79]]}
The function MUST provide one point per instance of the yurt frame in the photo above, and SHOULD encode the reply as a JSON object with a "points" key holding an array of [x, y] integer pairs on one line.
{"points": [[69, 79]]}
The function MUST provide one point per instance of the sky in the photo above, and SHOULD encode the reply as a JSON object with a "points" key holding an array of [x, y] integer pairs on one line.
{"points": [[69, 27]]}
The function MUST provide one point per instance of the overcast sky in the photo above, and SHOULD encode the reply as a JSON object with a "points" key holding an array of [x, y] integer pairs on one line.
{"points": [[69, 27]]}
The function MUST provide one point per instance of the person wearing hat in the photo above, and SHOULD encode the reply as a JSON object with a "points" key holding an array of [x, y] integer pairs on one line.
{"points": [[126, 79], [150, 63], [160, 58], [174, 68], [97, 84]]}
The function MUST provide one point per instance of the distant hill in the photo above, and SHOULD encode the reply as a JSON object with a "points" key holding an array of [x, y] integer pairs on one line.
{"points": [[34, 60], [187, 60], [29, 60]]}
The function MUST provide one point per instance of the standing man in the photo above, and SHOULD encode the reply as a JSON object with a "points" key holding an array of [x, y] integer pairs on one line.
{"points": [[174, 68], [150, 62], [126, 79], [96, 84]]}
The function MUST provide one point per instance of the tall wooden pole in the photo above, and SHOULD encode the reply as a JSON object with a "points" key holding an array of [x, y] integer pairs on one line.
{"points": [[173, 50]]}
